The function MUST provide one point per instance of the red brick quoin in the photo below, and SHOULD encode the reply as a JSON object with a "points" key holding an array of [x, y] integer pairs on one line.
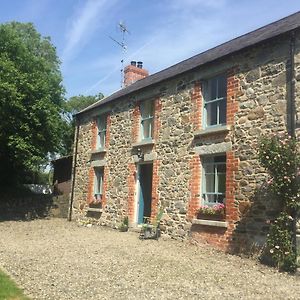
{"points": [[91, 180], [132, 167], [196, 99], [218, 236]]}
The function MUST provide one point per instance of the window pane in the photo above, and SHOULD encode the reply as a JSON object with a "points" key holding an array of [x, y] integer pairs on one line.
{"points": [[211, 198], [222, 87], [210, 183], [222, 111], [220, 158], [214, 180], [101, 139], [211, 113], [220, 199], [212, 89], [221, 168], [146, 109], [102, 122], [221, 183], [98, 181], [147, 128]]}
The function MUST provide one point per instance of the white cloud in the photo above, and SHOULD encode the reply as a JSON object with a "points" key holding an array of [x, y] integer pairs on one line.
{"points": [[83, 24]]}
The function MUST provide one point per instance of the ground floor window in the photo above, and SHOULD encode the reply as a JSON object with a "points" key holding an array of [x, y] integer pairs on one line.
{"points": [[213, 179], [98, 184]]}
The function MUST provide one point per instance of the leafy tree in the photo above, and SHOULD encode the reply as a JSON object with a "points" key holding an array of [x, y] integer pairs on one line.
{"points": [[71, 107], [31, 101]]}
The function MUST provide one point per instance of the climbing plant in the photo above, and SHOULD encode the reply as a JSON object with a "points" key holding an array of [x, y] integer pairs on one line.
{"points": [[280, 155]]}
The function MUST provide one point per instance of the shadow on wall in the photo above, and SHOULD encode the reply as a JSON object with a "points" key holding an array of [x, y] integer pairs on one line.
{"points": [[21, 204], [256, 216]]}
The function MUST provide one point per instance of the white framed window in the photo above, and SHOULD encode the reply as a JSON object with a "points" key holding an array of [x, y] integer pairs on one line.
{"points": [[98, 183], [213, 179], [147, 109], [215, 92], [101, 136]]}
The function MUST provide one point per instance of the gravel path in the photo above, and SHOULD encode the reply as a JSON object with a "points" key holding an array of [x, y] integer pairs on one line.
{"points": [[56, 259]]}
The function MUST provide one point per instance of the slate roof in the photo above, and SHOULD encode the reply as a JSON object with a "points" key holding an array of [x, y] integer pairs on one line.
{"points": [[252, 38]]}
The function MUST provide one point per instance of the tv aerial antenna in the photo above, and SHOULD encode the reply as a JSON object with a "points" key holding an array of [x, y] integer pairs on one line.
{"points": [[122, 27]]}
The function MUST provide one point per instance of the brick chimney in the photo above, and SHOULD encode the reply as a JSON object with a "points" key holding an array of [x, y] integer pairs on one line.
{"points": [[134, 72]]}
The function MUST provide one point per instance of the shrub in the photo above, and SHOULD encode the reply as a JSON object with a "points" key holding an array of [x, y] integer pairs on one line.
{"points": [[280, 156]]}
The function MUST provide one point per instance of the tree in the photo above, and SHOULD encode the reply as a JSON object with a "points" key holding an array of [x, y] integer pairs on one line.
{"points": [[71, 107], [31, 101]]}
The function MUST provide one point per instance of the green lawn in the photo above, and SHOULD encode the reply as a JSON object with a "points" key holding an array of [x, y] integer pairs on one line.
{"points": [[9, 290]]}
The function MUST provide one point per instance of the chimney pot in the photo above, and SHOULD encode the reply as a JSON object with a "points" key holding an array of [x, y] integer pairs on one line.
{"points": [[140, 64]]}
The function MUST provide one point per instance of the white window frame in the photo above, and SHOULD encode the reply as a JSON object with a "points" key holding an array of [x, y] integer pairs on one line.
{"points": [[98, 183], [205, 164], [218, 100], [101, 131], [145, 117]]}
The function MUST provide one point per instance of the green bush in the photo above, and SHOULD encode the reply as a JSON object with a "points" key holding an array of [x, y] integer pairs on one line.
{"points": [[280, 156]]}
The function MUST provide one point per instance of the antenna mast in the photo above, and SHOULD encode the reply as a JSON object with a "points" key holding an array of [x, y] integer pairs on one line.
{"points": [[124, 30]]}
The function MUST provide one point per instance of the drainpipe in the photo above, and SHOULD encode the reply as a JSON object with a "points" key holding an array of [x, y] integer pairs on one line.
{"points": [[292, 121], [292, 111], [74, 169]]}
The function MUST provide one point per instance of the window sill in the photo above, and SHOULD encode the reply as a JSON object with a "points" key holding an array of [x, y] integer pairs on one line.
{"points": [[222, 224], [98, 151], [144, 143], [98, 210], [212, 130]]}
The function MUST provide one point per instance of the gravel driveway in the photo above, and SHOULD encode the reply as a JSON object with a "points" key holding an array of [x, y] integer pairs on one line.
{"points": [[56, 259]]}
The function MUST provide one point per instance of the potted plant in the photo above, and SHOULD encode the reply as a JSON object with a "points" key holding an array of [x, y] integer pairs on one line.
{"points": [[124, 225], [214, 212], [151, 231]]}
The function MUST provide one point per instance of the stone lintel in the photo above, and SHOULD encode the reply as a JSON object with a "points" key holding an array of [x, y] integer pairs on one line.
{"points": [[143, 143], [223, 224], [151, 156], [98, 163], [214, 148], [212, 130]]}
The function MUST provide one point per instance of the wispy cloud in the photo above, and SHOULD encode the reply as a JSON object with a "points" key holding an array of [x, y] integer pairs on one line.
{"points": [[83, 24], [116, 68], [179, 36]]}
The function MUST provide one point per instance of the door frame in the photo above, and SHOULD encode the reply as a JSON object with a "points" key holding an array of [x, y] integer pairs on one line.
{"points": [[138, 190]]}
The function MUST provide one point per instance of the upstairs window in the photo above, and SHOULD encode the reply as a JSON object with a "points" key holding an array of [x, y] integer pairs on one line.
{"points": [[146, 109], [214, 179], [98, 184], [101, 137], [215, 91]]}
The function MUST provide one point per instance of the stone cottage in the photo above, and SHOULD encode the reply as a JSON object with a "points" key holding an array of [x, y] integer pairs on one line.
{"points": [[187, 136]]}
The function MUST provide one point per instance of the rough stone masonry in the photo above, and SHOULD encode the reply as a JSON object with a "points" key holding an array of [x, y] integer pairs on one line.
{"points": [[257, 84]]}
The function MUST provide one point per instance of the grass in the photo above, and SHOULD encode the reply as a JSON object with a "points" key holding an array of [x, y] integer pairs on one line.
{"points": [[9, 290]]}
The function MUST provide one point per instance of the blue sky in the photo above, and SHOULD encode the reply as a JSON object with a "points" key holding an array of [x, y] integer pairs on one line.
{"points": [[162, 32]]}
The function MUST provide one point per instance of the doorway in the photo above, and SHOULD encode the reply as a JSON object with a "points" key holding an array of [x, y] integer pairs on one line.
{"points": [[144, 193]]}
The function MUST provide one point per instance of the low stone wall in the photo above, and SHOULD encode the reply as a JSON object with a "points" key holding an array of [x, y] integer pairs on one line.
{"points": [[28, 206]]}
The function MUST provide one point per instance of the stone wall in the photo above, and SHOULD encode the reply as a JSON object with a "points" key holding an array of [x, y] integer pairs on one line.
{"points": [[24, 205], [256, 106]]}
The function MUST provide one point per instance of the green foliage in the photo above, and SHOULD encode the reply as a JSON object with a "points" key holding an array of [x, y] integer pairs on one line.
{"points": [[124, 225], [9, 290], [71, 107], [31, 94], [280, 156], [280, 243]]}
